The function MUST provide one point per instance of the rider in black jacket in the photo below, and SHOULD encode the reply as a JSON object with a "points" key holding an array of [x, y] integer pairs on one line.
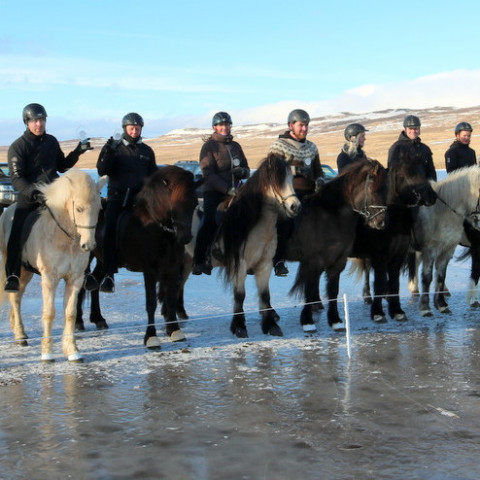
{"points": [[352, 150], [33, 158], [460, 155], [409, 139], [127, 162]]}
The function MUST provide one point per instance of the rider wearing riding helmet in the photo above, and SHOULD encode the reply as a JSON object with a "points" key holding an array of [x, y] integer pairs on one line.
{"points": [[460, 155], [304, 159], [223, 165], [352, 149], [127, 162], [33, 158], [409, 139]]}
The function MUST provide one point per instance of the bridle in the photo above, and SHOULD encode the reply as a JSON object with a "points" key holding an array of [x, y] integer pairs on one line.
{"points": [[365, 211], [475, 214]]}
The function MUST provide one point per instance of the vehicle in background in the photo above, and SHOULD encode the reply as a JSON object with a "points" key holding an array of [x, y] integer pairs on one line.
{"points": [[328, 171], [8, 194]]}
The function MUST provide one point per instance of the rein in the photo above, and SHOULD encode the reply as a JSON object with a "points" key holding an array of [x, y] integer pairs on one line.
{"points": [[476, 212], [365, 210], [69, 235]]}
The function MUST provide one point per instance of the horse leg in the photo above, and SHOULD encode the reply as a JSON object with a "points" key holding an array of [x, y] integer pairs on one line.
{"points": [[16, 322], [380, 290], [72, 288], [441, 271], [79, 325], [170, 284], [366, 292], [308, 277], [333, 280], [150, 340], [269, 316], [394, 306], [413, 263], [317, 304], [49, 287], [427, 271], [96, 316], [472, 294], [237, 325]]}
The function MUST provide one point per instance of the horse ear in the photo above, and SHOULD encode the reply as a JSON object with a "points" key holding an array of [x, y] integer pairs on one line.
{"points": [[101, 182]]}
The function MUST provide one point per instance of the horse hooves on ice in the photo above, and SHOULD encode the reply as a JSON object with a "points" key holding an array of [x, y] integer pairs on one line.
{"points": [[309, 328], [153, 343], [400, 317], [79, 327], [241, 332], [338, 327], [444, 310], [426, 313], [475, 304], [47, 358], [177, 336], [379, 319], [276, 331], [75, 358], [103, 325], [22, 342]]}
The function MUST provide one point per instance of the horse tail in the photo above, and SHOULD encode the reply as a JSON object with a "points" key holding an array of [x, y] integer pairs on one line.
{"points": [[357, 267]]}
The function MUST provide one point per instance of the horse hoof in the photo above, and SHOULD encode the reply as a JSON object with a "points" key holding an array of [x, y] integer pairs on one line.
{"points": [[379, 319], [475, 304], [47, 358], [153, 343], [444, 310], [241, 332], [426, 313], [400, 317], [177, 336], [276, 331], [182, 315], [309, 328], [103, 325], [75, 357], [80, 327], [21, 342], [338, 327]]}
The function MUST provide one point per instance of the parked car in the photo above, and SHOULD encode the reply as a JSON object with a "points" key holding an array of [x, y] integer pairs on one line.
{"points": [[8, 195], [328, 171], [191, 165]]}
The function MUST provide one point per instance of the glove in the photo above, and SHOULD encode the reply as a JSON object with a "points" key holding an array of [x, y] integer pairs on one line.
{"points": [[319, 183], [232, 192], [112, 144], [83, 146], [239, 172]]}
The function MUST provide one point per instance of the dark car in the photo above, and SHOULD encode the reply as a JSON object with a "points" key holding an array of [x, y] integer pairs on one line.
{"points": [[8, 195]]}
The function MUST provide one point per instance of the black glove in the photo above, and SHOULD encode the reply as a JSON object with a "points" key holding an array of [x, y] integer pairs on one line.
{"points": [[83, 146], [112, 144], [239, 172]]}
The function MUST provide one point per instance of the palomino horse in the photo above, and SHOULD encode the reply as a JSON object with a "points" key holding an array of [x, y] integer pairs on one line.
{"points": [[325, 231], [247, 238], [151, 239], [387, 250], [58, 248], [439, 229]]}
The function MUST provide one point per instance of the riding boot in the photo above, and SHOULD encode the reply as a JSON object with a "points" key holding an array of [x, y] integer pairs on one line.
{"points": [[284, 229], [107, 285]]}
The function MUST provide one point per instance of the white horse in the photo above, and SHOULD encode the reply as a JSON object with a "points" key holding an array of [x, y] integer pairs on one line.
{"points": [[438, 230], [58, 247]]}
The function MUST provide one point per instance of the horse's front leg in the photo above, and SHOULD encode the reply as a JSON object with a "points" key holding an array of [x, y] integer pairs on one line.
{"points": [[49, 287], [269, 315], [72, 288], [413, 263], [441, 272], [366, 291], [237, 325], [169, 284], [394, 305], [16, 322], [308, 276], [333, 281], [472, 294], [380, 287], [150, 340], [427, 273]]}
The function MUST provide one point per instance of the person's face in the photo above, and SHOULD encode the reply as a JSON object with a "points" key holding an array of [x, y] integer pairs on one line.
{"points": [[223, 128], [133, 130], [361, 139], [412, 132], [464, 136], [298, 130], [37, 127]]}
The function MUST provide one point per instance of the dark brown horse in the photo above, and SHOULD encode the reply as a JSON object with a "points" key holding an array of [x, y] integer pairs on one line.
{"points": [[151, 240]]}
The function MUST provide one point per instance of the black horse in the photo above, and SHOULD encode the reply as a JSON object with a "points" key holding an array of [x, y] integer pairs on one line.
{"points": [[325, 231], [387, 250], [151, 239]]}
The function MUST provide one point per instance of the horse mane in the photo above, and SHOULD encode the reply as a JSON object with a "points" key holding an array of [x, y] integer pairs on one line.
{"points": [[246, 208], [161, 190], [457, 183]]}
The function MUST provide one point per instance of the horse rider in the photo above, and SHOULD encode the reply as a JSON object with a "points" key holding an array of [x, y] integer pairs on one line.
{"points": [[34, 158], [127, 162], [460, 155], [409, 139], [352, 150], [304, 160], [223, 165]]}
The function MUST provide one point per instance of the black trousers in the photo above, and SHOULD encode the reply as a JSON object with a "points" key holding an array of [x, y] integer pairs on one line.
{"points": [[112, 212]]}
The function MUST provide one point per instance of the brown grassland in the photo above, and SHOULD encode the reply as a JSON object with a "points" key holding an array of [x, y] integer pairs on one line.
{"points": [[326, 132]]}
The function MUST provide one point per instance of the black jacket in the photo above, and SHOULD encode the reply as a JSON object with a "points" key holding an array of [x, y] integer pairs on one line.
{"points": [[127, 167], [458, 156], [36, 159], [419, 150], [344, 159]]}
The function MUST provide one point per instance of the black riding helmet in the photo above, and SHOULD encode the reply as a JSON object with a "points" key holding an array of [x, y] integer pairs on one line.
{"points": [[463, 126], [221, 117], [411, 121], [33, 111], [353, 130], [132, 119], [298, 115]]}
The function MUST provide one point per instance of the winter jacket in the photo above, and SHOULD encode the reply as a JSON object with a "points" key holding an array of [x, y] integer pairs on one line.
{"points": [[344, 159], [458, 156]]}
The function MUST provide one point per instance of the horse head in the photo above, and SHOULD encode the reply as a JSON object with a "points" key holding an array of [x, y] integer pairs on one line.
{"points": [[168, 200], [73, 201], [408, 184], [276, 180], [365, 185]]}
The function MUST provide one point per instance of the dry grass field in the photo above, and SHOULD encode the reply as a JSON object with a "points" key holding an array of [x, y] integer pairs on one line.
{"points": [[326, 132]]}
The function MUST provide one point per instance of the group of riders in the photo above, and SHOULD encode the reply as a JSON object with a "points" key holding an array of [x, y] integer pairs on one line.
{"points": [[36, 158]]}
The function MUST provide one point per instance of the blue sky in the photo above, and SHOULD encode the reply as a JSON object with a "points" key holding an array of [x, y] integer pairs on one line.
{"points": [[177, 63]]}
